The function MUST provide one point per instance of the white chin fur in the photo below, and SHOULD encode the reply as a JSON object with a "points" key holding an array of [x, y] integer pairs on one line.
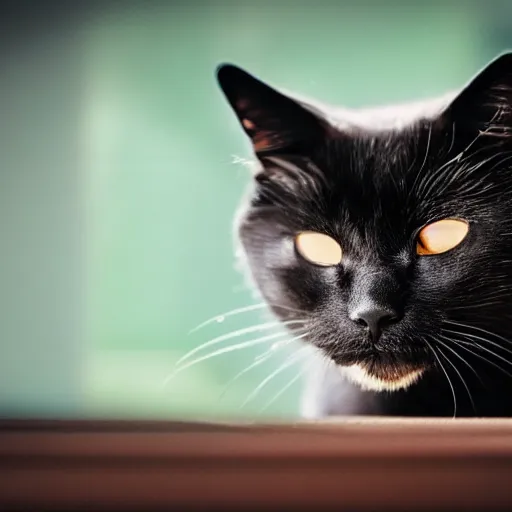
{"points": [[368, 382]]}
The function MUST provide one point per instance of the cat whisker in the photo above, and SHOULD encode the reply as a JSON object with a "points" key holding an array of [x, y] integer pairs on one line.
{"points": [[221, 351], [492, 343], [446, 375], [236, 334], [475, 344], [493, 353], [447, 346], [254, 364], [480, 329], [478, 305], [282, 391], [252, 307], [287, 308], [458, 373], [483, 358], [288, 362], [220, 318], [258, 360], [285, 388], [486, 340]]}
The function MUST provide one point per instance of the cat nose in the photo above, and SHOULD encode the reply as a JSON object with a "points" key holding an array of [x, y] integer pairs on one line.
{"points": [[375, 318]]}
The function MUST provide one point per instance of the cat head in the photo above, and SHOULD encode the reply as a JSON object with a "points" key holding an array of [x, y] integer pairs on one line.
{"points": [[388, 232]]}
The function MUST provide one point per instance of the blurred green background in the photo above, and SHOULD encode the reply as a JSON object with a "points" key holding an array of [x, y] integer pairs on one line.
{"points": [[120, 180]]}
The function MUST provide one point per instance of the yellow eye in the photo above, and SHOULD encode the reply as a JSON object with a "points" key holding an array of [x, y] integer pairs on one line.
{"points": [[318, 248], [441, 236]]}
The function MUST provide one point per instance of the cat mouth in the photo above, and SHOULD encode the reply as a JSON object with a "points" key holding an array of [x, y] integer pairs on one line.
{"points": [[377, 376]]}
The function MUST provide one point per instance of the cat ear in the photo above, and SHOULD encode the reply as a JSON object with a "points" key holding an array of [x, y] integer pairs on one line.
{"points": [[485, 105], [274, 122]]}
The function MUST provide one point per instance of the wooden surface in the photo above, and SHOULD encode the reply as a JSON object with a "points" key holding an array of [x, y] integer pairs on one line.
{"points": [[356, 464]]}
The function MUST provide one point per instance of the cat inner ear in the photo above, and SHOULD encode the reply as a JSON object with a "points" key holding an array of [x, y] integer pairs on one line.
{"points": [[275, 123], [484, 107]]}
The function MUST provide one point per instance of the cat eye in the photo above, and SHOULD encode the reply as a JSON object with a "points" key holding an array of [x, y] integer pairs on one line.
{"points": [[318, 248], [441, 236]]}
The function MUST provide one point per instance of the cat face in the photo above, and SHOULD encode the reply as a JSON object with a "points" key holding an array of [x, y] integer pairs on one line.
{"points": [[389, 233]]}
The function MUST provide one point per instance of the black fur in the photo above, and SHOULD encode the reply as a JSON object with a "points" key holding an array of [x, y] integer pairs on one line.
{"points": [[372, 187]]}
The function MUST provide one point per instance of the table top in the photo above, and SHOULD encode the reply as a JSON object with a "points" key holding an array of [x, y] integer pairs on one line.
{"points": [[344, 463]]}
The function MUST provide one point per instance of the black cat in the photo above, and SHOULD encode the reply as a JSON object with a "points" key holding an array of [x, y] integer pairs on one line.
{"points": [[388, 234]]}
